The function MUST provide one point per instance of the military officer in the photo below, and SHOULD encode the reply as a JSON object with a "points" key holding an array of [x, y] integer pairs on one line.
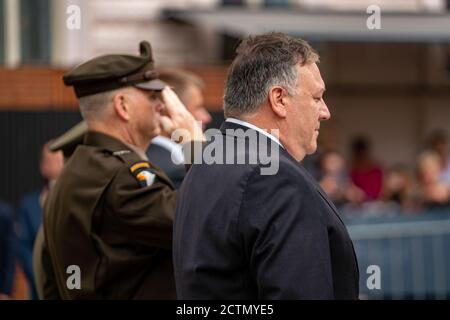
{"points": [[108, 220]]}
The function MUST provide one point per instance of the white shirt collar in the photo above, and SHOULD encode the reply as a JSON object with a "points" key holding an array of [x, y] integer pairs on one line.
{"points": [[252, 126]]}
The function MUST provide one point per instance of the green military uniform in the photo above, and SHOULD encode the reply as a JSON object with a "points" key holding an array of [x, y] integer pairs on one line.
{"points": [[110, 213], [106, 218]]}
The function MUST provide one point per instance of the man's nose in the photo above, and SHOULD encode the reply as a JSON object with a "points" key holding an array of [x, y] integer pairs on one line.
{"points": [[324, 112], [206, 117]]}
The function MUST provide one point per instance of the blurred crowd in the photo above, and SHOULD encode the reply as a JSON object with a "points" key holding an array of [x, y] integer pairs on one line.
{"points": [[18, 232], [362, 185]]}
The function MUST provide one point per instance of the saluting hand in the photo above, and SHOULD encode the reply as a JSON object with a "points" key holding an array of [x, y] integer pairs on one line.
{"points": [[178, 117]]}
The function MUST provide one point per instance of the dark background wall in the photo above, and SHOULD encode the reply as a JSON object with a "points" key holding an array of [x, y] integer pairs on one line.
{"points": [[22, 136]]}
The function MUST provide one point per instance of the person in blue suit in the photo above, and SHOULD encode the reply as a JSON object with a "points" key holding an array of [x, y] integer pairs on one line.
{"points": [[30, 212]]}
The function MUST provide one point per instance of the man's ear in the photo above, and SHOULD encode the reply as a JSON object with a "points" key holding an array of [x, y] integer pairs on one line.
{"points": [[121, 104], [278, 101]]}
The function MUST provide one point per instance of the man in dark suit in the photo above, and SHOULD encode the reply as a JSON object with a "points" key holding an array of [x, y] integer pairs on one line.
{"points": [[246, 230]]}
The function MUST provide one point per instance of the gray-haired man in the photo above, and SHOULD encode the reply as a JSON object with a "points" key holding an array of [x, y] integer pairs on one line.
{"points": [[258, 236]]}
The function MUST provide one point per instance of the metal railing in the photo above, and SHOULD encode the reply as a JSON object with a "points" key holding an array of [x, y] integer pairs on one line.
{"points": [[412, 253]]}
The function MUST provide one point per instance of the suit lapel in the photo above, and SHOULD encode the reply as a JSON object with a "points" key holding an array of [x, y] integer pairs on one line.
{"points": [[320, 191], [316, 185]]}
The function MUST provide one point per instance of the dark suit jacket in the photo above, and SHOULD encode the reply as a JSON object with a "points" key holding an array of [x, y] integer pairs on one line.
{"points": [[161, 157], [242, 235]]}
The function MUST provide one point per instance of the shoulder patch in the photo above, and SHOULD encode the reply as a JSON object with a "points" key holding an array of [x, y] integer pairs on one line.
{"points": [[143, 174]]}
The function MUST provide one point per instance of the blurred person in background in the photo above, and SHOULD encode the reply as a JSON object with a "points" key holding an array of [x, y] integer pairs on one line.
{"points": [[438, 143], [189, 88], [335, 181], [433, 193], [365, 173], [30, 213], [398, 189], [7, 250]]}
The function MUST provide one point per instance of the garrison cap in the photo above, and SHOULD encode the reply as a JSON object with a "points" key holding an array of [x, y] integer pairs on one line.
{"points": [[110, 72]]}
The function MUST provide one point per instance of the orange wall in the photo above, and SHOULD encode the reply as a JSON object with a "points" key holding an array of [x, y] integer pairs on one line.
{"points": [[34, 88]]}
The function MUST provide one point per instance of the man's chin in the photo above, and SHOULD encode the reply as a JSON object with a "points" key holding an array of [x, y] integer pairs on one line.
{"points": [[155, 132], [312, 149]]}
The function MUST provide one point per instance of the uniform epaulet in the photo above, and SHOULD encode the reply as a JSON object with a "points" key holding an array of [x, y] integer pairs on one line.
{"points": [[120, 152], [126, 156]]}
